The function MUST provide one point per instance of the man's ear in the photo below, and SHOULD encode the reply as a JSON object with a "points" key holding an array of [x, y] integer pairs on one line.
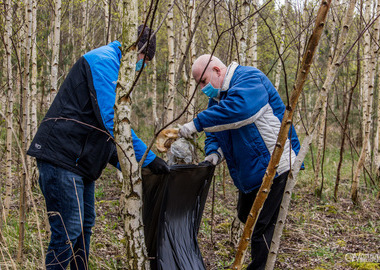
{"points": [[217, 69]]}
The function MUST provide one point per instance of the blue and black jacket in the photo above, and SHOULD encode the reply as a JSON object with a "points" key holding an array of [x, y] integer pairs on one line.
{"points": [[77, 131], [243, 124]]}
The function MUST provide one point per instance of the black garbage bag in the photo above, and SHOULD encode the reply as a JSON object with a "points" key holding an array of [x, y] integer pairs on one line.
{"points": [[172, 213]]}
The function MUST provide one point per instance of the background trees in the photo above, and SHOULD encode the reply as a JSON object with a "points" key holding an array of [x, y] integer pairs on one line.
{"points": [[41, 40]]}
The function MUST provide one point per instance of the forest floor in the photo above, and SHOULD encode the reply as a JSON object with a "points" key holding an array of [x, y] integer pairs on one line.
{"points": [[319, 233]]}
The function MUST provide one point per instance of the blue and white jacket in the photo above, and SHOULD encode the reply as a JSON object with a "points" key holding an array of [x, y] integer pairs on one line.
{"points": [[75, 133], [244, 123]]}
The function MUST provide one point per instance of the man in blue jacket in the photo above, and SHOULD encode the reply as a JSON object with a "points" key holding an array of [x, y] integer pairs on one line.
{"points": [[73, 145], [241, 123]]}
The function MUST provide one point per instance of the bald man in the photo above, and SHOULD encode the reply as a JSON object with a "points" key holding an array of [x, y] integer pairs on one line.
{"points": [[241, 123]]}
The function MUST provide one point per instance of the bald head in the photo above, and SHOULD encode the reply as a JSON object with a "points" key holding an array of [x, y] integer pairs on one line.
{"points": [[213, 64]]}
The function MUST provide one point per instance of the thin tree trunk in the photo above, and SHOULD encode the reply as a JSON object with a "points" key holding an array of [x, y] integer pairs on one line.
{"points": [[368, 82], [307, 141], [55, 52], [252, 47], [344, 130], [154, 86], [244, 11], [107, 21], [33, 79], [262, 194], [24, 181], [191, 111], [132, 185], [171, 60], [9, 124], [84, 27], [282, 45], [72, 32]]}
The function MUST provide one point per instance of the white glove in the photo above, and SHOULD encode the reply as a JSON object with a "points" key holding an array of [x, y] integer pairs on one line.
{"points": [[212, 158], [187, 130]]}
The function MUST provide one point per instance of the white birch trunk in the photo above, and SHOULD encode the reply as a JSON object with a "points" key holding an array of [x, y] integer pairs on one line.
{"points": [[9, 124], [132, 186], [33, 84], [24, 180], [71, 32], [106, 21], [282, 45], [154, 86], [368, 82], [191, 110], [244, 33], [55, 52], [171, 60], [184, 37], [84, 35], [252, 48]]}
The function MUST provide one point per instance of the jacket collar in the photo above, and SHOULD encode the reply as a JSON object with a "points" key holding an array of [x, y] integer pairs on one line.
{"points": [[227, 79]]}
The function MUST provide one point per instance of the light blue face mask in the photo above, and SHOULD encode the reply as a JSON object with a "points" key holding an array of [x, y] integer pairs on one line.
{"points": [[139, 64], [210, 90]]}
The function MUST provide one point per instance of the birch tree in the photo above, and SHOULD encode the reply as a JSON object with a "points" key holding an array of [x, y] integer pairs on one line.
{"points": [[9, 122], [84, 27], [244, 32], [24, 181], [107, 21], [55, 51], [332, 72], [132, 185], [252, 47], [368, 82], [282, 45], [192, 85], [171, 61], [33, 79]]}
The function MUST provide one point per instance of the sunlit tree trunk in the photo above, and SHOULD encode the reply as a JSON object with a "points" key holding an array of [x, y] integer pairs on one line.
{"points": [[282, 45], [252, 47], [132, 184], [244, 12], [107, 21], [9, 124], [171, 60], [55, 52]]}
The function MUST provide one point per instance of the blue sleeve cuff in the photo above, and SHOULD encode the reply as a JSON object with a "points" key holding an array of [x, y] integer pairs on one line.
{"points": [[197, 124]]}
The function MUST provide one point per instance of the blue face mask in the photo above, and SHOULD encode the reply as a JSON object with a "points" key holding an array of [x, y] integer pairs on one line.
{"points": [[139, 64], [210, 91]]}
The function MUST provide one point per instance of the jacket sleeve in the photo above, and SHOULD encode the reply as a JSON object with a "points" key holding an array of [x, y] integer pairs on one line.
{"points": [[246, 100], [211, 144]]}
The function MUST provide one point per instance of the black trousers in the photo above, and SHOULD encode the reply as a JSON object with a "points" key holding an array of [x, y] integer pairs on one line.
{"points": [[263, 231]]}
